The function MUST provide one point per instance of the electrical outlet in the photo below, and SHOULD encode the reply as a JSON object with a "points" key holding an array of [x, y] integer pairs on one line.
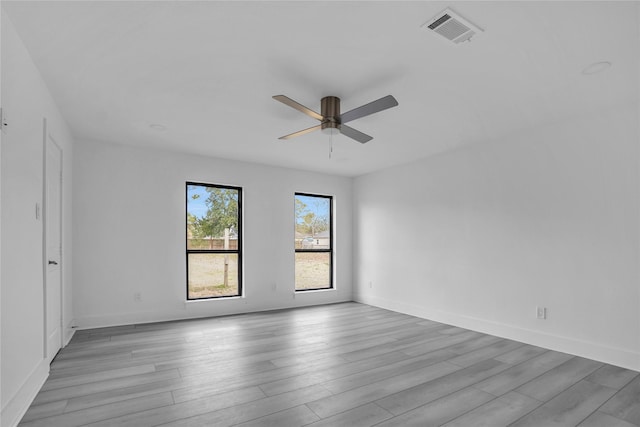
{"points": [[3, 121], [137, 297], [370, 284], [541, 312]]}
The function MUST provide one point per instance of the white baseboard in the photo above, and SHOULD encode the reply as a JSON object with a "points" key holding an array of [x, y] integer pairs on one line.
{"points": [[203, 309], [17, 406], [622, 357], [139, 318], [68, 333]]}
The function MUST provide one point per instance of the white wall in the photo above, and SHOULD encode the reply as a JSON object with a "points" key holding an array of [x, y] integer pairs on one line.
{"points": [[1, 133], [480, 236], [129, 225], [27, 102]]}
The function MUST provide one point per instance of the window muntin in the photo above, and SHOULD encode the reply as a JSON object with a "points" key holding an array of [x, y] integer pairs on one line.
{"points": [[214, 241], [313, 242]]}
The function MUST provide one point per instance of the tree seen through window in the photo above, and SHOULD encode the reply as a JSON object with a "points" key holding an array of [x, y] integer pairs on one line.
{"points": [[313, 242], [213, 241]]}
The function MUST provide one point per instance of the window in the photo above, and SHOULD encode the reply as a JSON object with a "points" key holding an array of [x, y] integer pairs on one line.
{"points": [[214, 241], [313, 242]]}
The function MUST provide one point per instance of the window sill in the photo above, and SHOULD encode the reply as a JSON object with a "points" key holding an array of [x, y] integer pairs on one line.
{"points": [[204, 300], [313, 291]]}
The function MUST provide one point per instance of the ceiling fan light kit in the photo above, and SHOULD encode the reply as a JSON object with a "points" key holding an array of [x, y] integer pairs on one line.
{"points": [[331, 121]]}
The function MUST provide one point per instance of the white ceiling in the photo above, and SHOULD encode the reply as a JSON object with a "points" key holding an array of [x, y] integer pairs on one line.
{"points": [[206, 71]]}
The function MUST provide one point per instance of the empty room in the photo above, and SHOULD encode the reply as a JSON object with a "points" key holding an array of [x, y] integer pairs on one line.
{"points": [[322, 213]]}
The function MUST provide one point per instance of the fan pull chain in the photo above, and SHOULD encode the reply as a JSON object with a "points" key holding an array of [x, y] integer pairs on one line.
{"points": [[330, 145]]}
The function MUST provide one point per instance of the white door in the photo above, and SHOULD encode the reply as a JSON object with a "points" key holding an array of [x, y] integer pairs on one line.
{"points": [[53, 258]]}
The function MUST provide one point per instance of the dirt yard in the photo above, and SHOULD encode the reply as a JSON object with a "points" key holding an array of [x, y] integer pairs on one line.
{"points": [[312, 270], [206, 273]]}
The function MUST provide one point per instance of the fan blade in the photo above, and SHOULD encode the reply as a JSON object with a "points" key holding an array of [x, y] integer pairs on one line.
{"points": [[301, 132], [370, 108], [354, 134], [293, 104]]}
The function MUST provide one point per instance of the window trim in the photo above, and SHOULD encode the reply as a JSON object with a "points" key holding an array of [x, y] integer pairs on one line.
{"points": [[237, 251], [330, 251]]}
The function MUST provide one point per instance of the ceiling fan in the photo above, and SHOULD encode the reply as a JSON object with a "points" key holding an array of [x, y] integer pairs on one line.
{"points": [[331, 121]]}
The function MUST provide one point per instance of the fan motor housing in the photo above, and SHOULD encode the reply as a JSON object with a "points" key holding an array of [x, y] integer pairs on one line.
{"points": [[330, 110]]}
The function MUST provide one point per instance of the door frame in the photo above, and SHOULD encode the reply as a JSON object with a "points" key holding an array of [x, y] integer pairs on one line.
{"points": [[47, 137]]}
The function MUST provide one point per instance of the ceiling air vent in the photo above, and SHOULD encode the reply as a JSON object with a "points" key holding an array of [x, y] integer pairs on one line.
{"points": [[452, 26]]}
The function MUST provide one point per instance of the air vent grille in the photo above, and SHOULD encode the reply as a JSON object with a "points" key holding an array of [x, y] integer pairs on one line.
{"points": [[452, 26], [439, 21]]}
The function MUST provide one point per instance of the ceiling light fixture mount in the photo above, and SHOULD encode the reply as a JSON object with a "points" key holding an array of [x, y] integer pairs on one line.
{"points": [[596, 67]]}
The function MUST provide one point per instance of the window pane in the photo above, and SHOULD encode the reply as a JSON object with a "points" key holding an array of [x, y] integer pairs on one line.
{"points": [[212, 217], [213, 231], [212, 275], [313, 270], [313, 219]]}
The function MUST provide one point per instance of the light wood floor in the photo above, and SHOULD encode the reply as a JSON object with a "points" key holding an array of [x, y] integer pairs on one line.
{"points": [[337, 365]]}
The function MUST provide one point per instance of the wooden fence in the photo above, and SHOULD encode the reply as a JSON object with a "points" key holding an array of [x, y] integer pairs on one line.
{"points": [[211, 243]]}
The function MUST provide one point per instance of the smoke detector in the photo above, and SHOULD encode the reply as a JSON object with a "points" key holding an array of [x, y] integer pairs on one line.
{"points": [[452, 26]]}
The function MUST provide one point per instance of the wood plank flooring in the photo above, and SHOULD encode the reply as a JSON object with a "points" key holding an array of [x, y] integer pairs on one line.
{"points": [[336, 365]]}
